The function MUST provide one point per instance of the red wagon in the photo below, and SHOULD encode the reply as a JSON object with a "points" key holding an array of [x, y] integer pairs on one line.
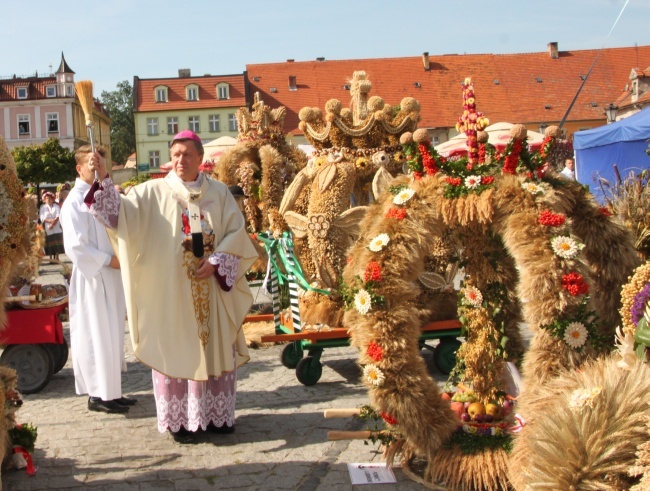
{"points": [[33, 345]]}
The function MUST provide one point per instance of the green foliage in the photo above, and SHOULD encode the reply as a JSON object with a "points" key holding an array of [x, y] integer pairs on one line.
{"points": [[139, 179], [471, 444], [24, 435], [49, 162], [119, 104]]}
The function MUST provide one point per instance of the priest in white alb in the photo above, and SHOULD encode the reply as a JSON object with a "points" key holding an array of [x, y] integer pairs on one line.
{"points": [[184, 252]]}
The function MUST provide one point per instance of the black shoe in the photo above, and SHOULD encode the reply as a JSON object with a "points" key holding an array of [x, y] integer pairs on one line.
{"points": [[101, 406], [183, 436], [221, 430], [126, 401]]}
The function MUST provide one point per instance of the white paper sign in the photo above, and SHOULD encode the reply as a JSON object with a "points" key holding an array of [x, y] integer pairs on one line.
{"points": [[371, 473]]}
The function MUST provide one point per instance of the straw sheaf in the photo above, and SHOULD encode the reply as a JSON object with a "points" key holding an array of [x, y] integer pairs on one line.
{"points": [[16, 242], [584, 448], [484, 471], [273, 168], [642, 465]]}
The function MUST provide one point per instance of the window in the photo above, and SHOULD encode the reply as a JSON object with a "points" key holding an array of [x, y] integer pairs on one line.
{"points": [[172, 125], [154, 158], [161, 94], [223, 91], [68, 90], [232, 122], [215, 123], [192, 94], [21, 92], [23, 124], [152, 126], [52, 122], [50, 91], [194, 124]]}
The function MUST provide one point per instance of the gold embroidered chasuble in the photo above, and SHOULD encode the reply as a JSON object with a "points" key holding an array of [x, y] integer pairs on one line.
{"points": [[171, 330]]}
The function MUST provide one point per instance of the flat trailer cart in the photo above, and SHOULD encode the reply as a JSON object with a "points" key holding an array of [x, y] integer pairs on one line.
{"points": [[309, 368], [33, 345]]}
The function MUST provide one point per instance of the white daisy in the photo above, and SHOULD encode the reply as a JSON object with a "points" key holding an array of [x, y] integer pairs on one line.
{"points": [[473, 181], [362, 301], [473, 296], [565, 247], [575, 334], [379, 242], [403, 196], [533, 188], [374, 375]]}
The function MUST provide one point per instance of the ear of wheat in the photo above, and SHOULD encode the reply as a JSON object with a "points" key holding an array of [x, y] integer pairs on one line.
{"points": [[84, 90]]}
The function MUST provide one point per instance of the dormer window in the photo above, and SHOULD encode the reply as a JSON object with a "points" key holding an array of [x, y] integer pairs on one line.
{"points": [[223, 91], [50, 91], [161, 94], [192, 93], [21, 93]]}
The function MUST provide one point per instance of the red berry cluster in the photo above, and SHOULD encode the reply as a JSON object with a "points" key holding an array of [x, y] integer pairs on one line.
{"points": [[481, 153], [454, 181], [428, 161], [396, 213], [388, 418], [512, 159], [375, 352], [551, 219], [575, 284], [485, 180], [373, 272]]}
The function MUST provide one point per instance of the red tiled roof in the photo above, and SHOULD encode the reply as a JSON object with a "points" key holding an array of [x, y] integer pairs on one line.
{"points": [[506, 86], [146, 101], [36, 87]]}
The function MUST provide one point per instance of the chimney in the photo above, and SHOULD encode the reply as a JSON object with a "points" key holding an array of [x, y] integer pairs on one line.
{"points": [[552, 50], [425, 61], [320, 58], [184, 73]]}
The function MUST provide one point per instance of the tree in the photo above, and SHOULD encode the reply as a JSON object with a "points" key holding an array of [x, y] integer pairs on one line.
{"points": [[119, 104], [49, 162]]}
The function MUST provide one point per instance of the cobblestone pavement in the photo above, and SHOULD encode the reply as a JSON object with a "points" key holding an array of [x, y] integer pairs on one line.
{"points": [[280, 441]]}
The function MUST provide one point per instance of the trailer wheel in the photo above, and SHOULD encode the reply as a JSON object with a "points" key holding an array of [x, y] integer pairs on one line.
{"points": [[309, 370], [291, 355], [33, 363], [444, 355], [59, 354]]}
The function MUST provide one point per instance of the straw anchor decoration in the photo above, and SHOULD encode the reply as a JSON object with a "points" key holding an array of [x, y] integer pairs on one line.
{"points": [[84, 90]]}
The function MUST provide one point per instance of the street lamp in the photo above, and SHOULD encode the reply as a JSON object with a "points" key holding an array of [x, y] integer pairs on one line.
{"points": [[542, 128], [610, 113]]}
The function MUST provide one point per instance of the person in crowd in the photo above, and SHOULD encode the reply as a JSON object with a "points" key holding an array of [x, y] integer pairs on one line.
{"points": [[184, 232], [62, 192], [49, 217], [96, 299], [569, 170]]}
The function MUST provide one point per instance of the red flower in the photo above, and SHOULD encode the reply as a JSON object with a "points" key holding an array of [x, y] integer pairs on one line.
{"points": [[373, 272], [396, 213], [375, 352], [388, 418], [454, 181], [604, 211], [575, 284], [512, 159], [428, 162], [481, 153], [485, 180], [417, 175], [551, 219]]}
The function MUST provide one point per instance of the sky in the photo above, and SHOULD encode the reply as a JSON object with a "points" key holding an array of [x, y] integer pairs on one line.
{"points": [[112, 41]]}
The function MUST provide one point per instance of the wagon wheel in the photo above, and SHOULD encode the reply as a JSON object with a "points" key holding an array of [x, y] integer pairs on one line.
{"points": [[444, 355], [309, 370], [33, 363], [59, 354], [291, 355]]}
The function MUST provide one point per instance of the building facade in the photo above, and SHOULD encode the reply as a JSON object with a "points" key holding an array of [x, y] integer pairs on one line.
{"points": [[164, 106], [36, 108]]}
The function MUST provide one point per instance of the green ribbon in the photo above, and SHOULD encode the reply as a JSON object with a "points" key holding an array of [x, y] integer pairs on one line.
{"points": [[277, 250]]}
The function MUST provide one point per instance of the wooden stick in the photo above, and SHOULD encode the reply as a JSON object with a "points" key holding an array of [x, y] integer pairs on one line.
{"points": [[22, 298], [349, 435], [84, 90], [342, 413]]}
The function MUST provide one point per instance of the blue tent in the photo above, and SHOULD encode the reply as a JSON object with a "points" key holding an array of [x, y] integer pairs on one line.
{"points": [[622, 143]]}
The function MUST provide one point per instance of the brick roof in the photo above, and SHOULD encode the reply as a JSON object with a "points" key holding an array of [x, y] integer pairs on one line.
{"points": [[506, 86], [145, 94]]}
